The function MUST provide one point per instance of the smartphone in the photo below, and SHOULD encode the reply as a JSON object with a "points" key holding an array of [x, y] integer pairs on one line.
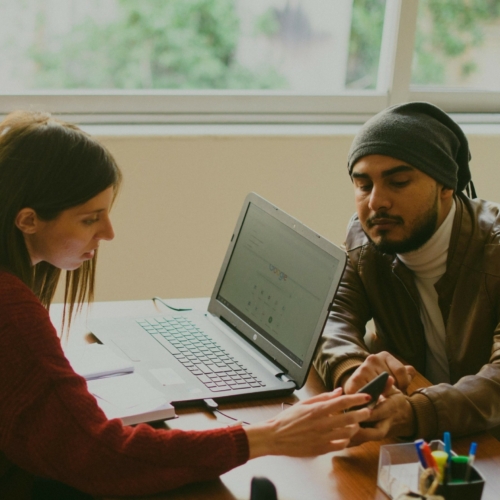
{"points": [[374, 388]]}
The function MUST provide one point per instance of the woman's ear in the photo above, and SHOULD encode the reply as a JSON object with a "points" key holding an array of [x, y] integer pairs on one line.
{"points": [[27, 221]]}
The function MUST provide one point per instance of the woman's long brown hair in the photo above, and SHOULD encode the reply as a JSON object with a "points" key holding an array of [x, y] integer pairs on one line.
{"points": [[49, 166]]}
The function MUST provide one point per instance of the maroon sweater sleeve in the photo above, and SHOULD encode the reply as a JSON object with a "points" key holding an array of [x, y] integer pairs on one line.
{"points": [[51, 426]]}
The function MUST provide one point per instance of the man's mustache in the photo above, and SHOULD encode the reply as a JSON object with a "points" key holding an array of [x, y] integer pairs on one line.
{"points": [[379, 217]]}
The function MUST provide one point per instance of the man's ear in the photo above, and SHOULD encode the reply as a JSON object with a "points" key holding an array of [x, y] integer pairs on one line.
{"points": [[27, 221], [446, 193]]}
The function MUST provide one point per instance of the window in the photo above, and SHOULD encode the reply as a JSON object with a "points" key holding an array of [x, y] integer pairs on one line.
{"points": [[241, 61], [456, 60], [457, 45]]}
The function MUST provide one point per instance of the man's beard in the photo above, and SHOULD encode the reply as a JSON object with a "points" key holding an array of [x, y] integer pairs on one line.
{"points": [[424, 228]]}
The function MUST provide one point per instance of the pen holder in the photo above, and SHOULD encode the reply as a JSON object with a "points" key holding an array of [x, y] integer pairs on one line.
{"points": [[471, 490], [399, 472], [399, 468]]}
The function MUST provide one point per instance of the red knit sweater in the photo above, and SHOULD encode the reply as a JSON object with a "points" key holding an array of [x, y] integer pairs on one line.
{"points": [[51, 426]]}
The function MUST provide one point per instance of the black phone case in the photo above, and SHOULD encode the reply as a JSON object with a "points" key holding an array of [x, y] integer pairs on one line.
{"points": [[374, 388]]}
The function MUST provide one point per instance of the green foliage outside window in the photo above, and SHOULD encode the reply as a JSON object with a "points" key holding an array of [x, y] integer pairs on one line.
{"points": [[192, 44], [448, 29], [364, 44], [172, 44]]}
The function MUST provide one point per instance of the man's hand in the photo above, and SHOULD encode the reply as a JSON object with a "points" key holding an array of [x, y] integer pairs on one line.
{"points": [[374, 365], [393, 416]]}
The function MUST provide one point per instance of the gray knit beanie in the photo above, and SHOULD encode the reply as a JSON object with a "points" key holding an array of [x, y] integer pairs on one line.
{"points": [[420, 134]]}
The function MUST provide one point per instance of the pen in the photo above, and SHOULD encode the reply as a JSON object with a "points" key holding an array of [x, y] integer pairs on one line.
{"points": [[418, 444], [447, 445], [470, 461], [431, 462], [447, 449]]}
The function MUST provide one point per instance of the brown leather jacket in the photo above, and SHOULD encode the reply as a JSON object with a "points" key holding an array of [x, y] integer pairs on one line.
{"points": [[379, 286]]}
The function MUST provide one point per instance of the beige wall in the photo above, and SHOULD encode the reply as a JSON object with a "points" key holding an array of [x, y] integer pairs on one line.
{"points": [[182, 195]]}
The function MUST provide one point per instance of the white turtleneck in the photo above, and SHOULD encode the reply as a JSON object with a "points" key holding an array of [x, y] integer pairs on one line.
{"points": [[429, 264]]}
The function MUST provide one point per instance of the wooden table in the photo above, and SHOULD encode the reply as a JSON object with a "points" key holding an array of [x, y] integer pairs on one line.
{"points": [[350, 474]]}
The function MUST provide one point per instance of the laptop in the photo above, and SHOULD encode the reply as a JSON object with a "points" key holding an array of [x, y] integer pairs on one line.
{"points": [[265, 317]]}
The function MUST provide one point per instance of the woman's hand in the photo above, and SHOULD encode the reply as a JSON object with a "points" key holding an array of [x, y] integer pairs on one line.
{"points": [[309, 428]]}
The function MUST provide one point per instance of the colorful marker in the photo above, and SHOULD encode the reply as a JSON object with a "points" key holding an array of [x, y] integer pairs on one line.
{"points": [[470, 461], [431, 462], [447, 449], [447, 445], [441, 458], [418, 444]]}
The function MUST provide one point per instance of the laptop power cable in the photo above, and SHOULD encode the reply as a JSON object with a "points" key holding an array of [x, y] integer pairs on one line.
{"points": [[213, 406], [157, 299]]}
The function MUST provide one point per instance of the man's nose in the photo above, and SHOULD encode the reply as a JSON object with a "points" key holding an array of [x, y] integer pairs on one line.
{"points": [[379, 199]]}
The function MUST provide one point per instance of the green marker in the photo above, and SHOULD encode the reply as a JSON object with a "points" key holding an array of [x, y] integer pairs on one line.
{"points": [[460, 459]]}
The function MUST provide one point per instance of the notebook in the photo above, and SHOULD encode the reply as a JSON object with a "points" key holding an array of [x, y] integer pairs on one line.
{"points": [[118, 392], [265, 317], [130, 398]]}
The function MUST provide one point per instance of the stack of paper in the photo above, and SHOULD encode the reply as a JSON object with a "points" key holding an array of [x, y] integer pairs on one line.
{"points": [[119, 392], [97, 360]]}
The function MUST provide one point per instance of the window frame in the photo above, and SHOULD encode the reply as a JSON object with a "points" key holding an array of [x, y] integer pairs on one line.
{"points": [[267, 107]]}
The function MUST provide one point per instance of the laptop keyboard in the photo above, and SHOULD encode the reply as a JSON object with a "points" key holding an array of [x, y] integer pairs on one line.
{"points": [[200, 354]]}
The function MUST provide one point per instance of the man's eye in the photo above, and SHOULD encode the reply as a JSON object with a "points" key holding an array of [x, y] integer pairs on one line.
{"points": [[89, 222], [364, 187], [400, 184]]}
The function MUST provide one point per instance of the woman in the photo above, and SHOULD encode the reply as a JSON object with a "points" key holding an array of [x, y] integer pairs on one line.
{"points": [[57, 185]]}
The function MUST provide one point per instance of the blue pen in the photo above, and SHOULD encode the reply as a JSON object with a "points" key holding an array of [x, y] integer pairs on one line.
{"points": [[447, 448], [418, 443], [447, 445], [470, 461]]}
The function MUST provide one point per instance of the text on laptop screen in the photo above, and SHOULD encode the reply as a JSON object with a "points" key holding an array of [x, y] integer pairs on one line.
{"points": [[277, 280]]}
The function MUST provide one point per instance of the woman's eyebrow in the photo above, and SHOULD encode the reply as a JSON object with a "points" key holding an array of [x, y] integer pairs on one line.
{"points": [[90, 212]]}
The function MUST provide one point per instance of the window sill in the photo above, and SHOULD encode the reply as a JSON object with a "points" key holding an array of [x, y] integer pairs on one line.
{"points": [[472, 124]]}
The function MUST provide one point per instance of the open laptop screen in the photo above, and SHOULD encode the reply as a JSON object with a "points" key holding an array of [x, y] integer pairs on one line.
{"points": [[277, 281]]}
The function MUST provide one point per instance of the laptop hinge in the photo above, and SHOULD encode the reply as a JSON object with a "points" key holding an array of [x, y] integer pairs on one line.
{"points": [[285, 378]]}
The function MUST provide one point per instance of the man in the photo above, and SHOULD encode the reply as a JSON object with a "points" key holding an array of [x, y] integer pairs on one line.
{"points": [[424, 264]]}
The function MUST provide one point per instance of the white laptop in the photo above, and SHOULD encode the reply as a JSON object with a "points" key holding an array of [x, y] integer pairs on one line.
{"points": [[266, 314]]}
